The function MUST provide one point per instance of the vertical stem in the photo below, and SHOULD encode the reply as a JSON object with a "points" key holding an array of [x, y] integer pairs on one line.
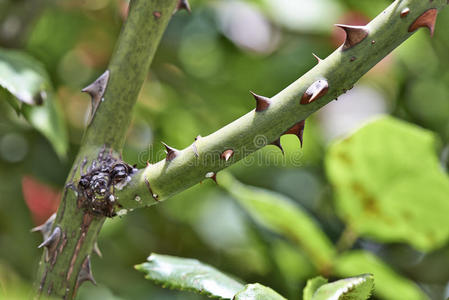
{"points": [[65, 262]]}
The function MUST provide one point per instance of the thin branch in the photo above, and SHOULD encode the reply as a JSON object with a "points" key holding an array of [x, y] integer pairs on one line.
{"points": [[364, 47]]}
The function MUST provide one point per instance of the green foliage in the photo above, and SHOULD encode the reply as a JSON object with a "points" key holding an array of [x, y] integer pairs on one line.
{"points": [[278, 213], [24, 78], [311, 287], [189, 274], [389, 184], [354, 288], [389, 284], [257, 291]]}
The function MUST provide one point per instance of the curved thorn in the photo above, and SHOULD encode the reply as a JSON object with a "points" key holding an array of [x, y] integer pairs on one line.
{"points": [[97, 250], [354, 35], [427, 19], [212, 175], [183, 4], [52, 240], [318, 89], [45, 228], [171, 152], [317, 58], [298, 130], [85, 273], [262, 102], [405, 12], [96, 91], [227, 154], [277, 143]]}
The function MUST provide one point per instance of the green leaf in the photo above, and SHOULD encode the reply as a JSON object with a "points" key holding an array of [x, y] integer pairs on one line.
{"points": [[48, 120], [22, 77], [354, 288], [257, 291], [278, 213], [311, 287], [389, 284], [389, 184], [189, 274]]}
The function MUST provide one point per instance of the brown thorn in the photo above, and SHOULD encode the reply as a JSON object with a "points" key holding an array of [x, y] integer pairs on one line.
{"points": [[171, 152], [45, 228], [85, 273], [318, 89], [212, 175], [317, 58], [277, 143], [183, 4], [405, 12], [298, 130], [354, 35], [427, 19], [262, 102], [227, 154], [157, 14], [96, 91]]}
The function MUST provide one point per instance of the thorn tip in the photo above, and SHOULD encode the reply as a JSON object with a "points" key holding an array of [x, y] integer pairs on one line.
{"points": [[354, 35], [316, 90], [171, 152], [426, 19], [262, 102]]}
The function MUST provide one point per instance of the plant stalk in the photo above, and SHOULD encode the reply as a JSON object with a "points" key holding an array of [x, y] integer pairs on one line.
{"points": [[65, 263]]}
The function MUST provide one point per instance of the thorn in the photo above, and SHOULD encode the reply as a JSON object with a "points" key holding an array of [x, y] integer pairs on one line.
{"points": [[85, 273], [212, 175], [96, 91], [171, 152], [317, 58], [183, 4], [262, 102], [227, 154], [354, 35], [277, 143], [298, 130], [52, 240], [427, 19], [405, 12], [45, 228], [157, 14], [316, 90], [97, 250]]}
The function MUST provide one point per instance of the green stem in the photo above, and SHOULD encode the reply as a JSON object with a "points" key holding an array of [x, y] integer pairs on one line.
{"points": [[341, 70], [64, 261]]}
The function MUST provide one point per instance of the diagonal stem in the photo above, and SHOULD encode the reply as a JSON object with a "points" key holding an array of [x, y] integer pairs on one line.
{"points": [[364, 48]]}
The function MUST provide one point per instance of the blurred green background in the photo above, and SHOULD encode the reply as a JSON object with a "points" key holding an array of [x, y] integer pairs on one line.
{"points": [[199, 81]]}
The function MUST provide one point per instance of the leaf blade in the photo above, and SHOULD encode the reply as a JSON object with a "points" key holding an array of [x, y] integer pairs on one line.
{"points": [[389, 284], [189, 274], [257, 291], [279, 214], [354, 288], [389, 184]]}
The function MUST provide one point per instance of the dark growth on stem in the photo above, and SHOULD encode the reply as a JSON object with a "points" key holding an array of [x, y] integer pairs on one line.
{"points": [[96, 188]]}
